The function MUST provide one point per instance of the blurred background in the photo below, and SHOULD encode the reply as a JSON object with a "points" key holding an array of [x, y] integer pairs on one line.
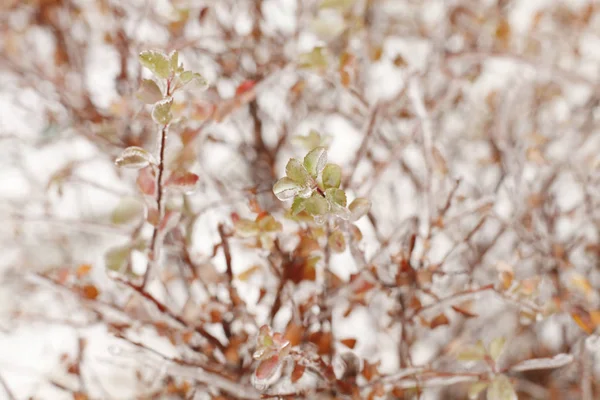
{"points": [[471, 125]]}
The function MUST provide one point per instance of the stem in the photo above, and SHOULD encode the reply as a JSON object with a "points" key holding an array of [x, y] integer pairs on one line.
{"points": [[159, 196]]}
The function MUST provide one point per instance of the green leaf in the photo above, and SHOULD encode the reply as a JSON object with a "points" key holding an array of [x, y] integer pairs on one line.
{"points": [[199, 81], [129, 209], [501, 389], [316, 205], [186, 76], [174, 60], [246, 228], [473, 353], [337, 4], [496, 347], [332, 176], [312, 140], [336, 196], [359, 207], [117, 257], [285, 188], [315, 59], [476, 388], [296, 172], [315, 161], [337, 242], [298, 205], [269, 224], [157, 62], [149, 92], [161, 113], [134, 157]]}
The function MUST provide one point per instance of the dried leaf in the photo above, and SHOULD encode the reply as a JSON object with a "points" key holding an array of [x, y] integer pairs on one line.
{"points": [[350, 343], [298, 372], [90, 292], [439, 320]]}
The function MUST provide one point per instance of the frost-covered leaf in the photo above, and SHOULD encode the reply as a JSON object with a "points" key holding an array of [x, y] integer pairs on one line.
{"points": [[501, 389], [174, 60], [337, 242], [117, 257], [149, 92], [496, 347], [161, 113], [296, 172], [315, 161], [186, 76], [559, 360], [268, 223], [359, 207], [157, 62], [246, 228], [476, 388], [285, 188], [146, 181], [129, 209], [298, 205], [332, 176], [336, 196], [183, 181], [316, 205], [134, 157]]}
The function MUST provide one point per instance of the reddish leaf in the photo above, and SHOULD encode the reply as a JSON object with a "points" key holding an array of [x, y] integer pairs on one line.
{"points": [[350, 343], [297, 372], [186, 182], [323, 340], [464, 313], [439, 320], [146, 181], [244, 87], [370, 370], [90, 292], [294, 333], [267, 368]]}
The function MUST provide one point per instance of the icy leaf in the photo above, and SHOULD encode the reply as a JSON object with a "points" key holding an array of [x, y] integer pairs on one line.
{"points": [[129, 209], [146, 181], [316, 205], [268, 223], [315, 161], [174, 60], [337, 242], [476, 388], [298, 372], [473, 353], [285, 188], [246, 228], [267, 367], [117, 257], [185, 182], [359, 207], [501, 389], [134, 157], [296, 172], [149, 92], [496, 347], [161, 113], [559, 360], [298, 205], [157, 62], [332, 176], [186, 76], [336, 196]]}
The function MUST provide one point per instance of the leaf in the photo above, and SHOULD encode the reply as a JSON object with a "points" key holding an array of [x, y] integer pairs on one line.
{"points": [[117, 257], [350, 343], [244, 87], [146, 181], [315, 161], [332, 176], [185, 182], [496, 347], [285, 188], [315, 59], [583, 319], [298, 372], [316, 205], [174, 60], [161, 113], [559, 360], [501, 389], [90, 292], [298, 205], [267, 223], [157, 62], [246, 228], [197, 81], [135, 158], [149, 92], [439, 320], [83, 270], [476, 388], [337, 242], [267, 368], [336, 196], [186, 76], [129, 209], [358, 208], [473, 353], [337, 4], [296, 172]]}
